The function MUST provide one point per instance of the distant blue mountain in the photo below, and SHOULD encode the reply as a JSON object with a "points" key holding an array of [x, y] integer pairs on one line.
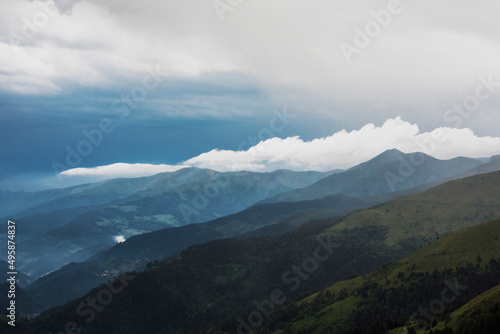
{"points": [[81, 226], [389, 172]]}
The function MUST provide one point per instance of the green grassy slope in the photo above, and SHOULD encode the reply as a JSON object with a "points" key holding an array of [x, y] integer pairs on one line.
{"points": [[480, 315], [435, 212], [331, 310]]}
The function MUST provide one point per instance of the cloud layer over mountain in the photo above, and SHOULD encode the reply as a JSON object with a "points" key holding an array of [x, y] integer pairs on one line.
{"points": [[341, 150]]}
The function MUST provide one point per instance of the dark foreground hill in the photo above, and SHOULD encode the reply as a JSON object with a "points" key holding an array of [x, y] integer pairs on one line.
{"points": [[450, 285], [479, 315]]}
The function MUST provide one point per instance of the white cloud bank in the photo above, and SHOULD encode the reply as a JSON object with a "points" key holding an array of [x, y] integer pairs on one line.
{"points": [[120, 170], [119, 239], [340, 150]]}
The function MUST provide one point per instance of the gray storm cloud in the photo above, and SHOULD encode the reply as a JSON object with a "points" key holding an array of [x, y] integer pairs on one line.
{"points": [[413, 59]]}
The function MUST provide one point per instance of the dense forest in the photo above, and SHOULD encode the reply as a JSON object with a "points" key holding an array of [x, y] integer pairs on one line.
{"points": [[399, 303]]}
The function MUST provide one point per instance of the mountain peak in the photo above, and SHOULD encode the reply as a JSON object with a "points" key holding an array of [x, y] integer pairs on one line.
{"points": [[385, 157], [391, 153], [495, 157]]}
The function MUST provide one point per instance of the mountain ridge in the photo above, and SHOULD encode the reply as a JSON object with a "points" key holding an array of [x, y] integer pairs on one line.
{"points": [[191, 195], [243, 223], [248, 269], [388, 172]]}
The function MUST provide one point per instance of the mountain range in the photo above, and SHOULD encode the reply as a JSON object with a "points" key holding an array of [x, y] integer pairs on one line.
{"points": [[389, 172], [193, 284], [90, 218], [262, 219], [246, 229]]}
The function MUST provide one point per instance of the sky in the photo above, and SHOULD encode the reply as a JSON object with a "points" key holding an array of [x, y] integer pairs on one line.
{"points": [[127, 88]]}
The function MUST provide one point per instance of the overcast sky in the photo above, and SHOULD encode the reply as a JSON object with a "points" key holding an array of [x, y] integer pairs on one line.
{"points": [[320, 84]]}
